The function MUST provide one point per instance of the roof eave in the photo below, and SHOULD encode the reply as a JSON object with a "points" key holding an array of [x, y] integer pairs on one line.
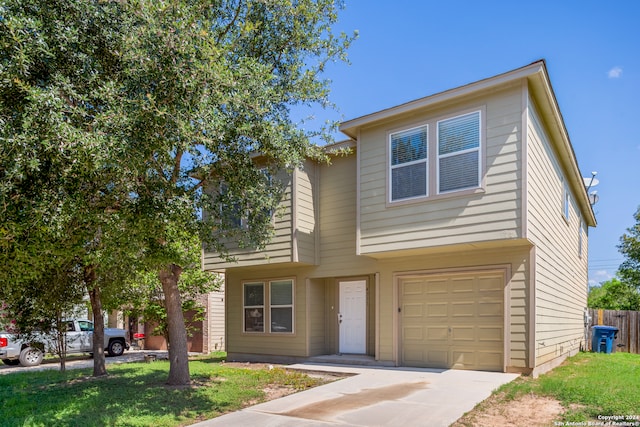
{"points": [[350, 127], [540, 85]]}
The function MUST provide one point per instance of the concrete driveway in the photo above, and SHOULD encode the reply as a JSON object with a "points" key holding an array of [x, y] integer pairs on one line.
{"points": [[374, 397], [84, 361]]}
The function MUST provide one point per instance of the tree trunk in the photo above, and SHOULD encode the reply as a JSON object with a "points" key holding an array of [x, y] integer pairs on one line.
{"points": [[61, 341], [99, 366], [177, 344]]}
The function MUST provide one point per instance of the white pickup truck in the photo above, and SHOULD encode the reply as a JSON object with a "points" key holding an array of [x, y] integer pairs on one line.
{"points": [[79, 334]]}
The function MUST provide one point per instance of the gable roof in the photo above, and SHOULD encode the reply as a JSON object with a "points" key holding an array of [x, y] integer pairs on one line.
{"points": [[539, 88]]}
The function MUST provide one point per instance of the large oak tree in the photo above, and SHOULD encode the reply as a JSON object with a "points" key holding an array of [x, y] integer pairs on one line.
{"points": [[132, 115]]}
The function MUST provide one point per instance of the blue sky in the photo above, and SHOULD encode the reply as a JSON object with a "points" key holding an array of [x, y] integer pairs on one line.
{"points": [[410, 49]]}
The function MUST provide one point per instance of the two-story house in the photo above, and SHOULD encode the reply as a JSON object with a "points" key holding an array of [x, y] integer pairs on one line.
{"points": [[453, 236]]}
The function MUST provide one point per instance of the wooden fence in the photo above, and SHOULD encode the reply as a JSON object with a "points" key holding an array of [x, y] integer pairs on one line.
{"points": [[628, 324]]}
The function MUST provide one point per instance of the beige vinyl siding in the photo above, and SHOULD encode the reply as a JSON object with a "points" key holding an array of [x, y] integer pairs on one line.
{"points": [[305, 211], [561, 274], [490, 215], [330, 316], [337, 200], [278, 250], [320, 334], [316, 315], [216, 334]]}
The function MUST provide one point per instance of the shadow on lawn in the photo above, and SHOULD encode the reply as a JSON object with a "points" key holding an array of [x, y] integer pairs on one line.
{"points": [[132, 394]]}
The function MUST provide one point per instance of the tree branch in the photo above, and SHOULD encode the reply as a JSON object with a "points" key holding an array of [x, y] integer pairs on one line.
{"points": [[176, 166], [233, 21], [157, 166]]}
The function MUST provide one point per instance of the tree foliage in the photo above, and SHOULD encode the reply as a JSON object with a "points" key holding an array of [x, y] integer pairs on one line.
{"points": [[142, 297], [121, 122], [629, 270], [40, 308], [59, 180], [207, 86], [614, 295]]}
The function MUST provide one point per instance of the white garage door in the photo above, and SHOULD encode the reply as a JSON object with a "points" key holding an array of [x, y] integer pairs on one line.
{"points": [[453, 320]]}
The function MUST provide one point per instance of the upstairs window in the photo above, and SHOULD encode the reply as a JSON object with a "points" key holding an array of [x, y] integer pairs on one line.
{"points": [[438, 157], [237, 213], [459, 153], [409, 165]]}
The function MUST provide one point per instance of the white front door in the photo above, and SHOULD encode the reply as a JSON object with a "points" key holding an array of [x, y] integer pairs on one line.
{"points": [[353, 317]]}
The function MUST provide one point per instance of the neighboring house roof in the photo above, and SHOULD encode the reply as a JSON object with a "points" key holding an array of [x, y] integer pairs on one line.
{"points": [[539, 88]]}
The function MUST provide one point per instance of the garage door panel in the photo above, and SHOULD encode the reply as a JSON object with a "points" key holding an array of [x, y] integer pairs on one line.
{"points": [[463, 309], [462, 358], [432, 287], [437, 358], [437, 309], [460, 324], [414, 355], [491, 283], [413, 287], [463, 334], [487, 334], [490, 309], [413, 333], [437, 333], [488, 360], [413, 310], [462, 285]]}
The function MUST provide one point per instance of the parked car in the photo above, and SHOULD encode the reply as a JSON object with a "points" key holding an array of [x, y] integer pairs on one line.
{"points": [[79, 335]]}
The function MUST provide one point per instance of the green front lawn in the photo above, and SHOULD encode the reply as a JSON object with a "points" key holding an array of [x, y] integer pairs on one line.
{"points": [[590, 386], [135, 394]]}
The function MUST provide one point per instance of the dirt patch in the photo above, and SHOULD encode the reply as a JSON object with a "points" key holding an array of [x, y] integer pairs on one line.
{"points": [[528, 410], [324, 376], [276, 391], [251, 365]]}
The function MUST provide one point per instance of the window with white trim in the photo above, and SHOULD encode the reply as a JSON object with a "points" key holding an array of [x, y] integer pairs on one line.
{"points": [[254, 307], [281, 306], [459, 153], [268, 303], [409, 166], [437, 157]]}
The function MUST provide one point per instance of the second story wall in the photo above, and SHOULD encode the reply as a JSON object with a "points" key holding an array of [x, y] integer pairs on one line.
{"points": [[491, 211], [338, 219], [557, 227], [305, 213], [280, 249]]}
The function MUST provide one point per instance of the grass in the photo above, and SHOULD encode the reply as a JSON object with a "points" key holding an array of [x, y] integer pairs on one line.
{"points": [[135, 394], [588, 385]]}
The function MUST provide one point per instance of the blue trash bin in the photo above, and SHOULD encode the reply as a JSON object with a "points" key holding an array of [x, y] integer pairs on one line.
{"points": [[602, 338]]}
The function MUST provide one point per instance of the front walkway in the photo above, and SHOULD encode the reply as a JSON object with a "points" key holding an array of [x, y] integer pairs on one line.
{"points": [[374, 396]]}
